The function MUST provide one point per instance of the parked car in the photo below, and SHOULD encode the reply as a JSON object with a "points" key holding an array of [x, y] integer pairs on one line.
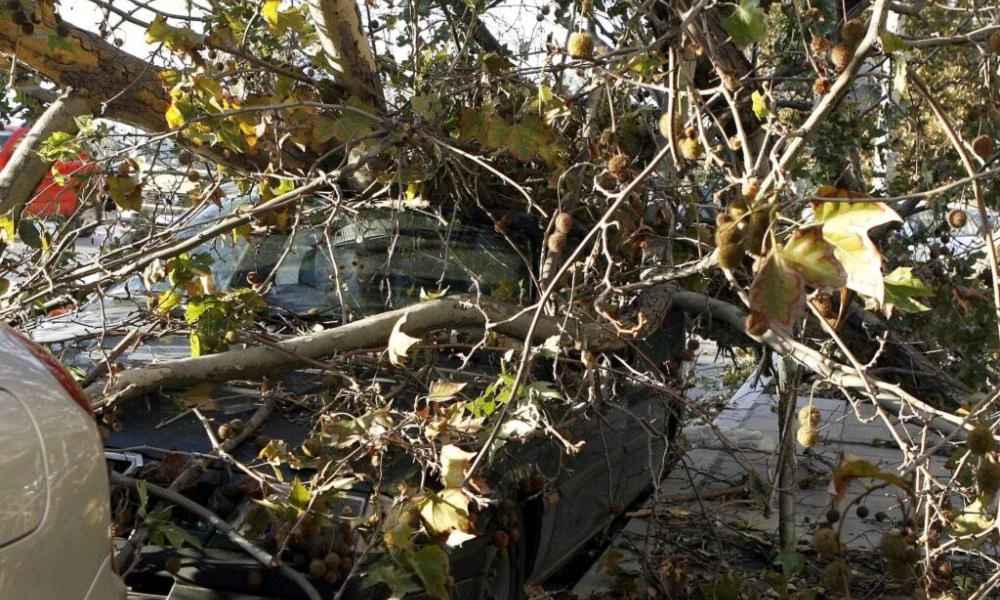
{"points": [[556, 501], [54, 502], [51, 197], [930, 234]]}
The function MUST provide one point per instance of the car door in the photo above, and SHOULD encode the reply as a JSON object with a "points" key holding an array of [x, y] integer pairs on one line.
{"points": [[22, 473]]}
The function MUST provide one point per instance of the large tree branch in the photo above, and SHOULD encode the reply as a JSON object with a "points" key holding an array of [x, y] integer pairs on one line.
{"points": [[889, 396], [25, 169], [338, 23], [119, 85], [451, 313]]}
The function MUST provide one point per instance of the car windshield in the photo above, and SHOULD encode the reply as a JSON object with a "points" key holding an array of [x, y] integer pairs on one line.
{"points": [[380, 260]]}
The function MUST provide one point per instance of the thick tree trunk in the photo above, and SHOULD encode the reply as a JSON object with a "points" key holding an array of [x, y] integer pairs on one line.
{"points": [[25, 169]]}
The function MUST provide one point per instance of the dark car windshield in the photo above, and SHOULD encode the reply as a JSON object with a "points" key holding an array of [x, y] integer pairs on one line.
{"points": [[380, 260]]}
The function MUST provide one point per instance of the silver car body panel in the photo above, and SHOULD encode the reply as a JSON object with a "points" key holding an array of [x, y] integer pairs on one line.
{"points": [[66, 556]]}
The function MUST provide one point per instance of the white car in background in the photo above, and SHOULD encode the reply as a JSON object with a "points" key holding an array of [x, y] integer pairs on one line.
{"points": [[944, 238], [55, 541]]}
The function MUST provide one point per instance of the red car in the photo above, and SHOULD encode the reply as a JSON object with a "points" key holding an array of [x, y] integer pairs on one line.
{"points": [[51, 199]]}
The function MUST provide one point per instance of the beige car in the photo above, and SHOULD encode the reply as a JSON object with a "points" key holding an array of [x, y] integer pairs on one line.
{"points": [[55, 539]]}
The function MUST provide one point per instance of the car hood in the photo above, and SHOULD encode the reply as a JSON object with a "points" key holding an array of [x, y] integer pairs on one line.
{"points": [[82, 338]]}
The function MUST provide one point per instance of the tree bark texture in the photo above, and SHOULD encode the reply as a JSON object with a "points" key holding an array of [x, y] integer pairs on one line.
{"points": [[25, 169]]}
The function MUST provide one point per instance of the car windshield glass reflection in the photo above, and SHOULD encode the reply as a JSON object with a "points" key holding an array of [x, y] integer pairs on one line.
{"points": [[379, 262]]}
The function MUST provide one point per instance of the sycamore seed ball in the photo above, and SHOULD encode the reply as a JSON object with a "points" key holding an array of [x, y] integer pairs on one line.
{"points": [[994, 42], [690, 149], [837, 577], [841, 56], [580, 45], [852, 32], [618, 165], [564, 222], [807, 436], [665, 123], [809, 416], [893, 547], [988, 477], [983, 146], [557, 242], [980, 440], [826, 543], [819, 45], [957, 218], [750, 187], [821, 86]]}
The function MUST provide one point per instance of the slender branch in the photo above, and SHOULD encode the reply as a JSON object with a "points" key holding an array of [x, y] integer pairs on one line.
{"points": [[259, 554]]}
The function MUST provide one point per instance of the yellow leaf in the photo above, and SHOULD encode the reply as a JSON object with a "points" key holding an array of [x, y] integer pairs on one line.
{"points": [[399, 343], [445, 512], [777, 292], [442, 391], [270, 12], [454, 462], [811, 256], [168, 300], [200, 397], [174, 117]]}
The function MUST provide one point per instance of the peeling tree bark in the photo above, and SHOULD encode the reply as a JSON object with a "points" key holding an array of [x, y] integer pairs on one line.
{"points": [[25, 169], [120, 86], [450, 313], [338, 23]]}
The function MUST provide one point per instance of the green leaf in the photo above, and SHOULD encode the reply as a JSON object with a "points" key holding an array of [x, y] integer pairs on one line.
{"points": [[853, 216], [177, 536], [432, 567], [426, 105], [496, 132], [777, 292], [807, 253], [400, 583], [473, 124], [746, 24], [194, 340], [759, 105], [345, 127], [299, 494], [526, 138], [891, 42], [143, 493], [426, 296], [861, 260], [178, 39], [792, 562], [29, 234], [269, 10], [975, 518], [902, 286], [900, 79]]}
